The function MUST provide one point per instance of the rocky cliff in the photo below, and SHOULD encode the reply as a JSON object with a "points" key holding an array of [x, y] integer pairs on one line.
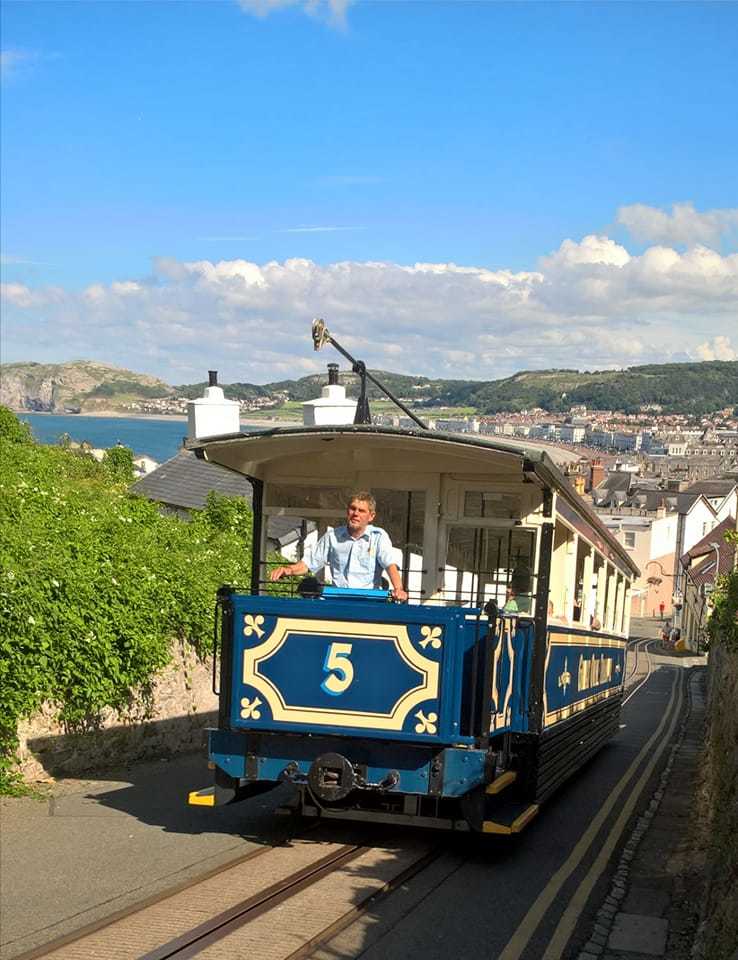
{"points": [[71, 387]]}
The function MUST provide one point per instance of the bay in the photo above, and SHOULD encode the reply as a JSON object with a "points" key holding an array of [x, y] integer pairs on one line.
{"points": [[159, 439]]}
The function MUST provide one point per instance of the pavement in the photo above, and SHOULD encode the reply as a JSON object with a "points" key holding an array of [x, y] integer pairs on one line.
{"points": [[90, 848], [653, 906]]}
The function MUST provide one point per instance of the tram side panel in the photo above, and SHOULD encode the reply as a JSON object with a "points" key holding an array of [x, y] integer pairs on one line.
{"points": [[583, 678]]}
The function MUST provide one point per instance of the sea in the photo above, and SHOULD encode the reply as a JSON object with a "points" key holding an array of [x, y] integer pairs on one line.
{"points": [[160, 439]]}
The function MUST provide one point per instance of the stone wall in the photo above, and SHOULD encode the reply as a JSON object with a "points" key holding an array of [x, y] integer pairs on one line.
{"points": [[719, 935], [170, 719]]}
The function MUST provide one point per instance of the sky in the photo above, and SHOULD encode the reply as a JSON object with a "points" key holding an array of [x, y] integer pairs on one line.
{"points": [[460, 189]]}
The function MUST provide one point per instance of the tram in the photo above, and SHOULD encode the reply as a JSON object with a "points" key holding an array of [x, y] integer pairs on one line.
{"points": [[467, 706]]}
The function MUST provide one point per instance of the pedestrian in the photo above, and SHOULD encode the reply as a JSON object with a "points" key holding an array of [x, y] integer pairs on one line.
{"points": [[661, 609]]}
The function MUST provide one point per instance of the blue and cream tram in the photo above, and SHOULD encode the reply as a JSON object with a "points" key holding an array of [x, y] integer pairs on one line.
{"points": [[464, 708]]}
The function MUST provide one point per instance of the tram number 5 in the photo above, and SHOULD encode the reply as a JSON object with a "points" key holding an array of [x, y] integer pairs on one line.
{"points": [[339, 668]]}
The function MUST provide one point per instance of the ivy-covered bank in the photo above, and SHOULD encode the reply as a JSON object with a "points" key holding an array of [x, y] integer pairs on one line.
{"points": [[95, 585], [719, 935]]}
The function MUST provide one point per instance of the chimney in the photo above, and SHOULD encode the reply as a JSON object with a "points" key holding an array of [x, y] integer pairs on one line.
{"points": [[212, 415], [332, 407], [596, 474]]}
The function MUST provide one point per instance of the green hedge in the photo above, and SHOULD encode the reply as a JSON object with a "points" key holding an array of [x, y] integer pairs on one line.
{"points": [[95, 584]]}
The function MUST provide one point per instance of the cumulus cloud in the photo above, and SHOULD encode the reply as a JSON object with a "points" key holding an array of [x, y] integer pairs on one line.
{"points": [[684, 226], [590, 304], [719, 348], [333, 11]]}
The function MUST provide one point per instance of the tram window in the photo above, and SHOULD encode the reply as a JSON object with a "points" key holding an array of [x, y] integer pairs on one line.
{"points": [[293, 496], [490, 564], [400, 512], [579, 608], [483, 504]]}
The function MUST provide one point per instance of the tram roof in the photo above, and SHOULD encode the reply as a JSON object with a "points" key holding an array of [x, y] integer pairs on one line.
{"points": [[246, 453]]}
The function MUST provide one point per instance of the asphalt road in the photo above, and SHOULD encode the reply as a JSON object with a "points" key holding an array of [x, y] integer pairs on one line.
{"points": [[98, 846], [499, 900]]}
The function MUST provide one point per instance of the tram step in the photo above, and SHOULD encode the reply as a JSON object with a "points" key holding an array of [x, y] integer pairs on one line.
{"points": [[505, 779], [510, 817], [202, 798]]}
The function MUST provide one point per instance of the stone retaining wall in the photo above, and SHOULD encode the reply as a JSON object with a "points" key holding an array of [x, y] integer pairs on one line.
{"points": [[172, 719], [719, 939]]}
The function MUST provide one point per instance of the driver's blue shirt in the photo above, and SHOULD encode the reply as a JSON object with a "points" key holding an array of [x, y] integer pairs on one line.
{"points": [[355, 563]]}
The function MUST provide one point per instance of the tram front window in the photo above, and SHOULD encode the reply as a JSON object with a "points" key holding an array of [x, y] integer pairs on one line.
{"points": [[485, 564], [314, 509]]}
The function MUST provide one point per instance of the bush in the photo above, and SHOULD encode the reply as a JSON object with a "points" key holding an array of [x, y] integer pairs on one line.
{"points": [[118, 461], [12, 429], [95, 585]]}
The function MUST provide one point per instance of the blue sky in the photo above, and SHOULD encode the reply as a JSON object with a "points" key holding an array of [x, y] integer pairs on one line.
{"points": [[140, 138]]}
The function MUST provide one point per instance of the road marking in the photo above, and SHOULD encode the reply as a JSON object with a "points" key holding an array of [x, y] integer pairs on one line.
{"points": [[528, 925], [571, 915]]}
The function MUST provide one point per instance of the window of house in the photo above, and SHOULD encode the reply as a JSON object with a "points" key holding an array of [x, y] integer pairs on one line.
{"points": [[630, 539]]}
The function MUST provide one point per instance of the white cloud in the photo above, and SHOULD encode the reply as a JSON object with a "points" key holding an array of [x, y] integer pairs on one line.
{"points": [[333, 11], [590, 304], [719, 348], [683, 226]]}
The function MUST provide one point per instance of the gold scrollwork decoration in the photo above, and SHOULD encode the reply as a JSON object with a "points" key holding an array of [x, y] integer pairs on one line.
{"points": [[426, 724], [253, 624], [249, 709], [565, 678], [432, 636]]}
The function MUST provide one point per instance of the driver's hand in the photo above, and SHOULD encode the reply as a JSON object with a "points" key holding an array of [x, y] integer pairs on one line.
{"points": [[278, 573], [400, 595]]}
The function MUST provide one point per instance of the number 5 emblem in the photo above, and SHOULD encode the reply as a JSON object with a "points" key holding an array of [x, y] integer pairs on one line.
{"points": [[339, 668]]}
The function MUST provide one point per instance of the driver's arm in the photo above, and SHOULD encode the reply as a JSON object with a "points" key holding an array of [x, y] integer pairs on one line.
{"points": [[398, 591], [298, 569]]}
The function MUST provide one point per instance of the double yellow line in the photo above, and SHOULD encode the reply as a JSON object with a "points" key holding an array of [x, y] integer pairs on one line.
{"points": [[522, 936]]}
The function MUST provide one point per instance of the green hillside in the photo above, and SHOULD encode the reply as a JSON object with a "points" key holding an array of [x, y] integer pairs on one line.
{"points": [[687, 388]]}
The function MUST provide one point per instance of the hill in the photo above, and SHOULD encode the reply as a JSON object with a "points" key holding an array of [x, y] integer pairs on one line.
{"points": [[687, 388], [81, 385]]}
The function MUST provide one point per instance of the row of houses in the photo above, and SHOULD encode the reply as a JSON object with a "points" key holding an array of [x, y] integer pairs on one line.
{"points": [[675, 533], [674, 530]]}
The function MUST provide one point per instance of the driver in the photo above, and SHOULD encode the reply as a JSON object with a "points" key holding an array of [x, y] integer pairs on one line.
{"points": [[356, 553]]}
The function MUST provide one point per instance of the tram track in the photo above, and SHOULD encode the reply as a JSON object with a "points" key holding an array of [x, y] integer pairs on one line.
{"points": [[630, 680], [206, 917]]}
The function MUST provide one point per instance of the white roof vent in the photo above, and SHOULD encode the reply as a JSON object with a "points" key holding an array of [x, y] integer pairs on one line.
{"points": [[212, 415], [332, 407]]}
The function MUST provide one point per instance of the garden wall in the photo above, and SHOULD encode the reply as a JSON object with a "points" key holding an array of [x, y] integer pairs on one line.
{"points": [[719, 937], [171, 719]]}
